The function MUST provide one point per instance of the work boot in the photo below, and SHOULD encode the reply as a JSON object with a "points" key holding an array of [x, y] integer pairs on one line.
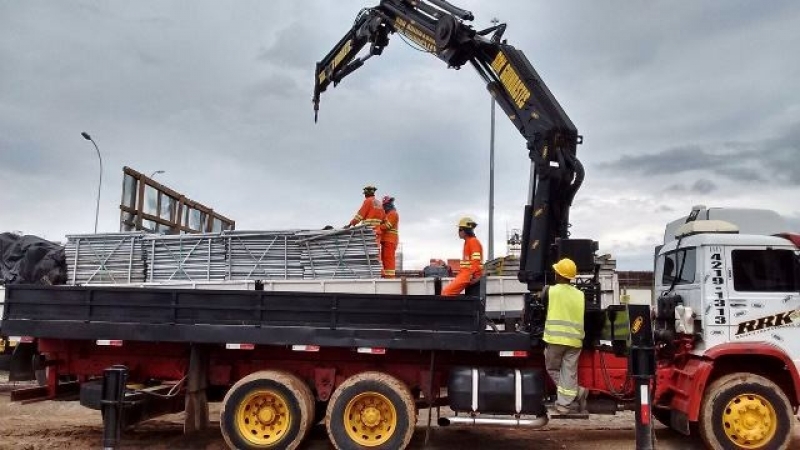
{"points": [[564, 410], [583, 393]]}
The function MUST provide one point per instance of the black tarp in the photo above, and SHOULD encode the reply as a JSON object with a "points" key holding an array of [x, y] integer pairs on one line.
{"points": [[31, 260]]}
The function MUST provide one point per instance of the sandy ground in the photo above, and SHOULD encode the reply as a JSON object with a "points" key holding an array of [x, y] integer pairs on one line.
{"points": [[67, 425]]}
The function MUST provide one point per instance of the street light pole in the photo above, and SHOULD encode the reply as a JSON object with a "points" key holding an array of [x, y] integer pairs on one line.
{"points": [[100, 182], [155, 173], [491, 176]]}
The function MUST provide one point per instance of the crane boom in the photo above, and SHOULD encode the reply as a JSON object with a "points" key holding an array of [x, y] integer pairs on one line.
{"points": [[439, 28]]}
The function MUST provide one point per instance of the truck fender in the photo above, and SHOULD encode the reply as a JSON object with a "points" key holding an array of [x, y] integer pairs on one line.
{"points": [[763, 349], [688, 384]]}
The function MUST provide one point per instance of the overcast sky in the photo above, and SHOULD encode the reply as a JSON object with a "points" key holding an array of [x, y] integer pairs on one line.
{"points": [[680, 103]]}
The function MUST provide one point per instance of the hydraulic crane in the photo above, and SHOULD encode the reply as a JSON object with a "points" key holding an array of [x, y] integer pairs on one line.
{"points": [[440, 28]]}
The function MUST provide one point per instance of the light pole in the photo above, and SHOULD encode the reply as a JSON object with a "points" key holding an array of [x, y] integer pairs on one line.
{"points": [[491, 176], [100, 183], [155, 173]]}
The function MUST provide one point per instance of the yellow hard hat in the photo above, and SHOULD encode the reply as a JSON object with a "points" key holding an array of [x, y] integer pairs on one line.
{"points": [[467, 222], [566, 268]]}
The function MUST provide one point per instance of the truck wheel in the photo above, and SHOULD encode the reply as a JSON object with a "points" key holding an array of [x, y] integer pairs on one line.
{"points": [[371, 410], [745, 411], [267, 410]]}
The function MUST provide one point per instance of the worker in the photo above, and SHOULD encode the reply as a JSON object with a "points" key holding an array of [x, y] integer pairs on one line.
{"points": [[389, 236], [371, 213], [436, 268], [563, 334], [471, 260]]}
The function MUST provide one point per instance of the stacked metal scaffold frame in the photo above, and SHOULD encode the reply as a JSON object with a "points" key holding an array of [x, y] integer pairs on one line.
{"points": [[350, 253], [125, 258], [186, 257], [112, 258], [264, 255]]}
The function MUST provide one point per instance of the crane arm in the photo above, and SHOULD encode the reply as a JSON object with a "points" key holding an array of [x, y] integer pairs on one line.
{"points": [[439, 28]]}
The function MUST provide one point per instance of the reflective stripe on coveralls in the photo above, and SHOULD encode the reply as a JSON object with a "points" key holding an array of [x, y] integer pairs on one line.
{"points": [[371, 213], [471, 267], [389, 238]]}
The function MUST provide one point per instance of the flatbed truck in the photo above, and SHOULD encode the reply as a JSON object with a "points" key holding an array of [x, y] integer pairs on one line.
{"points": [[716, 357]]}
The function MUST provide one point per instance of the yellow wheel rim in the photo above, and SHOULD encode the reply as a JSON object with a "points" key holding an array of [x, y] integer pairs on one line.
{"points": [[370, 419], [750, 421], [263, 418]]}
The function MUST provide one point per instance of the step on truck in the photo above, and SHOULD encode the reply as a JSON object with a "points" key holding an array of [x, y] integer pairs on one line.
{"points": [[712, 359]]}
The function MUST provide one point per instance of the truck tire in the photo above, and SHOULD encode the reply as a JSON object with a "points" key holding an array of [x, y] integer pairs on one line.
{"points": [[744, 410], [267, 410], [371, 410]]}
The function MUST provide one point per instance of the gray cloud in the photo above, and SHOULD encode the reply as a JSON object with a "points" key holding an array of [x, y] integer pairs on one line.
{"points": [[665, 209], [219, 98], [794, 223], [294, 47], [703, 186], [772, 160]]}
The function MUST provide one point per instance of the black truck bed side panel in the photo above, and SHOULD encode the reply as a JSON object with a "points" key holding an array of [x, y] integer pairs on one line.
{"points": [[257, 317]]}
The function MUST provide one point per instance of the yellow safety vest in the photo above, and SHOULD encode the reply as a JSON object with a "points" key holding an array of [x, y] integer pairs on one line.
{"points": [[565, 308]]}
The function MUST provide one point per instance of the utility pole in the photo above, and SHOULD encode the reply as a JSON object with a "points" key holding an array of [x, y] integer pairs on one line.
{"points": [[491, 176]]}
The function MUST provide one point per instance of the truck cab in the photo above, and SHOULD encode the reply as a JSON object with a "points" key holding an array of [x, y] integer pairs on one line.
{"points": [[726, 329], [733, 288]]}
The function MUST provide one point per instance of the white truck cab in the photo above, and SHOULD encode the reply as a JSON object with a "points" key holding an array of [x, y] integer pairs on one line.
{"points": [[726, 331], [727, 287]]}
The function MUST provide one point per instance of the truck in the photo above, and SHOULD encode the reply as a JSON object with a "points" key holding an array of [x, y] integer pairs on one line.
{"points": [[714, 359]]}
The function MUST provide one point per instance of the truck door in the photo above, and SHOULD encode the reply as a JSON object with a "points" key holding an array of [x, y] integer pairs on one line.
{"points": [[716, 307], [764, 300], [677, 272]]}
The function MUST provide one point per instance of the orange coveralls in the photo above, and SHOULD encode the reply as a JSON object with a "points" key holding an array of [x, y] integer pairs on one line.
{"points": [[371, 213], [471, 267], [389, 238]]}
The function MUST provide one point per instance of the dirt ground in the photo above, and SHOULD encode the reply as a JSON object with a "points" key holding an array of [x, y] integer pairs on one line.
{"points": [[66, 425]]}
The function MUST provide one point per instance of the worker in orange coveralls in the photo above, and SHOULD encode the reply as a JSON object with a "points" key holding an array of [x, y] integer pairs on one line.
{"points": [[471, 260], [389, 237], [371, 213]]}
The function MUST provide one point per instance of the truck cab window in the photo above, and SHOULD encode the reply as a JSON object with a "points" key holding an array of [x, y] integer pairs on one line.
{"points": [[764, 271], [679, 267]]}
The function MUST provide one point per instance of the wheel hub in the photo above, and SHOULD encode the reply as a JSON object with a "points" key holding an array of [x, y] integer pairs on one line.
{"points": [[370, 419], [263, 417], [266, 415], [749, 421], [371, 416]]}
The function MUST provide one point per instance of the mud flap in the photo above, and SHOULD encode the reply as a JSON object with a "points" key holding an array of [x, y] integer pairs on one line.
{"points": [[21, 365]]}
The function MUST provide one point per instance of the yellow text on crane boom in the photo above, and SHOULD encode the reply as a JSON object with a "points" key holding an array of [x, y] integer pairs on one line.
{"points": [[337, 60], [511, 80], [420, 37]]}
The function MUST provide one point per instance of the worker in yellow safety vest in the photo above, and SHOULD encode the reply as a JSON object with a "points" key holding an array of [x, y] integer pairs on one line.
{"points": [[563, 333]]}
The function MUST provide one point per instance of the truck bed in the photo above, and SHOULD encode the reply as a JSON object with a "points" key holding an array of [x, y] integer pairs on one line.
{"points": [[424, 322]]}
